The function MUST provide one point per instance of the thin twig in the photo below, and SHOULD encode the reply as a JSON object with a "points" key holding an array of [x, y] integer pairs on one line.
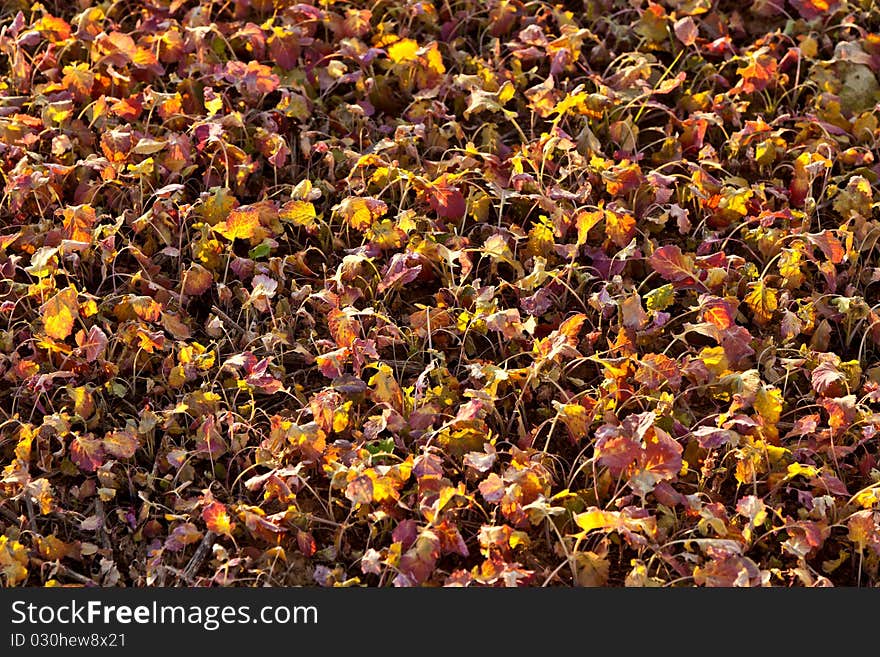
{"points": [[61, 569], [102, 524], [201, 552], [10, 516], [30, 510]]}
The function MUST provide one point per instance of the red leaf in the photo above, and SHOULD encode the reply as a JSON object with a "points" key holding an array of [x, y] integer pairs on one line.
{"points": [[400, 271], [714, 437], [87, 452], [617, 452], [830, 245], [826, 378], [306, 543], [810, 9], [673, 265], [417, 564], [717, 311], [208, 438], [446, 200], [662, 454], [92, 343]]}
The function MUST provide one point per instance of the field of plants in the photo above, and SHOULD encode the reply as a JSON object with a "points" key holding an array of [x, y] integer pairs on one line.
{"points": [[439, 293]]}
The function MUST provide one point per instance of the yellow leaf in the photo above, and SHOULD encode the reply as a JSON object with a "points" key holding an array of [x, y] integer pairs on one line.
{"points": [[434, 60], [13, 561], [585, 221], [341, 417], [243, 223], [736, 201], [360, 213], [214, 105], [867, 498], [386, 235], [88, 308], [384, 489], [807, 471], [506, 92], [403, 51], [768, 403], [790, 266], [385, 387], [596, 519], [59, 314], [299, 213], [763, 302], [714, 359], [83, 401]]}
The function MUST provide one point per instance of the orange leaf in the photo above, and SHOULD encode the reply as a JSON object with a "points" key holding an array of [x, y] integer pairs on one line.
{"points": [[217, 519], [242, 223], [621, 227], [810, 9], [60, 313], [54, 29], [344, 328], [716, 311], [78, 222]]}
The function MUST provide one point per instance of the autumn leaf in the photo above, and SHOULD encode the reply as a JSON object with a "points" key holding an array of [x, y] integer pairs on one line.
{"points": [[87, 452], [620, 226], [585, 221], [763, 301], [830, 246], [78, 222], [299, 213], [242, 223], [344, 327], [255, 78], [439, 294], [717, 312], [673, 265], [768, 404], [13, 561], [121, 444], [446, 200], [93, 343], [403, 50], [83, 400], [360, 213], [402, 269], [60, 313], [686, 30], [758, 72], [197, 280], [810, 9], [217, 519]]}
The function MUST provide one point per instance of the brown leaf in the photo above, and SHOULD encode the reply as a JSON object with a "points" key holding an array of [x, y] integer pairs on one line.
{"points": [[686, 30]]}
